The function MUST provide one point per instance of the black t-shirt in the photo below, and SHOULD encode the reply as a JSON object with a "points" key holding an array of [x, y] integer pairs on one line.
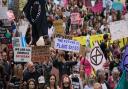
{"points": [[75, 82]]}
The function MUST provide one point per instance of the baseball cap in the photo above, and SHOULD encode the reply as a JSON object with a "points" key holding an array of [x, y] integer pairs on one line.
{"points": [[41, 79]]}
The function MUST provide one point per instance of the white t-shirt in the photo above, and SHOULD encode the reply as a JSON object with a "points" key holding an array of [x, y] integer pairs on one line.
{"points": [[51, 31], [104, 86], [87, 87]]}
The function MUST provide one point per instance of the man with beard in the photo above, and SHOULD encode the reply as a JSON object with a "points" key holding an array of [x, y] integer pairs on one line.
{"points": [[7, 68], [36, 14]]}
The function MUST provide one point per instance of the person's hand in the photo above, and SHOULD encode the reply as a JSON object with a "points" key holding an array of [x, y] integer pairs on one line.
{"points": [[24, 83]]}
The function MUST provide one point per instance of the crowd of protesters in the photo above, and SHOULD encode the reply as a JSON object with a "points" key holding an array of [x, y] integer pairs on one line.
{"points": [[66, 70]]}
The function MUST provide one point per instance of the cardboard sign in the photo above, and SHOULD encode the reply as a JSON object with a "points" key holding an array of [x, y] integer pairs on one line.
{"points": [[75, 18], [58, 24], [22, 54], [67, 45], [40, 53], [16, 41]]}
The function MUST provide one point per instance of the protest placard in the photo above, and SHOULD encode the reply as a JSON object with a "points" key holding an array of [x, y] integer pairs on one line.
{"points": [[63, 36], [117, 6], [97, 8], [22, 54], [67, 45], [5, 37], [75, 18], [16, 42], [58, 24], [119, 29], [40, 53]]}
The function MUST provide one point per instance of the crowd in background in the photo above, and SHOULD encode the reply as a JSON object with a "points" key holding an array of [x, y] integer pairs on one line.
{"points": [[66, 70]]}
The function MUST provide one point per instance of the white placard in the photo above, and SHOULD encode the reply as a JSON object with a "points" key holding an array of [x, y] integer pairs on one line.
{"points": [[3, 12], [119, 29], [22, 54], [67, 45]]}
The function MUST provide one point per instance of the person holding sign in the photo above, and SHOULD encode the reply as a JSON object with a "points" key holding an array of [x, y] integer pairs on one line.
{"points": [[29, 73], [63, 65]]}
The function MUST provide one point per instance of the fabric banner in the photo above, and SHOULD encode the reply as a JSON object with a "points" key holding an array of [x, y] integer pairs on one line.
{"points": [[96, 57], [22, 54], [123, 82], [124, 62], [67, 45], [81, 39]]}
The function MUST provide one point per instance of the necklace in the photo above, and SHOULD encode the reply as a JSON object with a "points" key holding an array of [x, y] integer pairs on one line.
{"points": [[38, 14]]}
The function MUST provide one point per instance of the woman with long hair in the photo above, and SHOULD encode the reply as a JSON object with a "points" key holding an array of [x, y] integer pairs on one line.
{"points": [[66, 82], [52, 82], [31, 84]]}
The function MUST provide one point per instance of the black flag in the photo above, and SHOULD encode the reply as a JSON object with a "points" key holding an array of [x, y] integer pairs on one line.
{"points": [[36, 14]]}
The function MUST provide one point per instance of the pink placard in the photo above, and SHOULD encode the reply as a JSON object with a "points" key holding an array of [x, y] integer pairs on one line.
{"points": [[75, 18], [98, 8]]}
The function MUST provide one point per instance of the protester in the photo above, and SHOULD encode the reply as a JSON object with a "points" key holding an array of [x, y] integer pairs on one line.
{"points": [[77, 20], [90, 83], [41, 82], [30, 72], [97, 86], [101, 79], [32, 84], [75, 79], [52, 82], [63, 66], [7, 68], [2, 77], [113, 80], [66, 82]]}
